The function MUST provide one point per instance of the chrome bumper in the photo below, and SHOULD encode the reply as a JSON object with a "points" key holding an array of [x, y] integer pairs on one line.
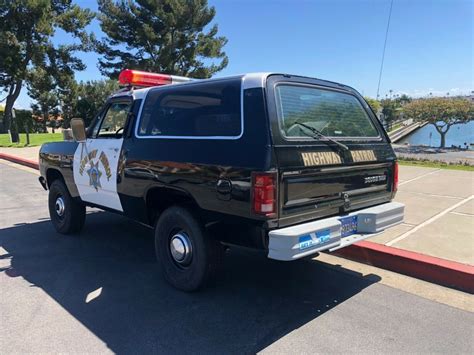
{"points": [[298, 241]]}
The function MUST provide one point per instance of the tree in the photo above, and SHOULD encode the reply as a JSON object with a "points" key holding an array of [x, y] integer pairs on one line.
{"points": [[166, 36], [26, 123], [391, 110], [26, 29], [42, 88], [91, 97], [2, 109], [442, 113], [67, 94], [404, 99], [374, 104]]}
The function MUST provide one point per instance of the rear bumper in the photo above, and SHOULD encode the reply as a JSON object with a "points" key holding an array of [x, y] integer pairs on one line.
{"points": [[298, 241]]}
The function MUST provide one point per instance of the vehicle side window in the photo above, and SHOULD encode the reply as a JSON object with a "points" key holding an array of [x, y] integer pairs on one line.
{"points": [[93, 129], [197, 110], [114, 120]]}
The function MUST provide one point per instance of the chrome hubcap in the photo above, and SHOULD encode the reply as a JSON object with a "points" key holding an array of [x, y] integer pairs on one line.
{"points": [[59, 206], [180, 248]]}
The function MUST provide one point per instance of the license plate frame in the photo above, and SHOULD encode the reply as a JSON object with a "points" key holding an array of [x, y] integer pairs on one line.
{"points": [[348, 226]]}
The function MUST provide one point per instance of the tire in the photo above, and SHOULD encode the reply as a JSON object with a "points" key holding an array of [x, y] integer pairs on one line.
{"points": [[201, 265], [67, 216]]}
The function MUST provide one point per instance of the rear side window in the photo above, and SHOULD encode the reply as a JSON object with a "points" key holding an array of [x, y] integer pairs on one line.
{"points": [[209, 109], [333, 113]]}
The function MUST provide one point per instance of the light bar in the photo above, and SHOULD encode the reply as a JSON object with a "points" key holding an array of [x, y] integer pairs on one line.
{"points": [[143, 78]]}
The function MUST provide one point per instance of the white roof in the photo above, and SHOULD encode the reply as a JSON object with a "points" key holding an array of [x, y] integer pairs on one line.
{"points": [[249, 81]]}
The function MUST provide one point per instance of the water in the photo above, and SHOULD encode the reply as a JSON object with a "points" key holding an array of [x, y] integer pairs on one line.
{"points": [[457, 135]]}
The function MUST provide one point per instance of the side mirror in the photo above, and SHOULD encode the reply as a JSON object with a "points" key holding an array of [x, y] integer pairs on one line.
{"points": [[78, 130]]}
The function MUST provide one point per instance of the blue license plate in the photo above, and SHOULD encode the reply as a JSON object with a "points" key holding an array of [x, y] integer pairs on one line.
{"points": [[348, 225]]}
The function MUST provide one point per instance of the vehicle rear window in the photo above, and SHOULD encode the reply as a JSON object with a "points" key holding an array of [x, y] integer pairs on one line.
{"points": [[333, 113], [209, 109]]}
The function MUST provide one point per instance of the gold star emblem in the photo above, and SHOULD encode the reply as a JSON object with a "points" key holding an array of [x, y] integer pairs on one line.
{"points": [[94, 175]]}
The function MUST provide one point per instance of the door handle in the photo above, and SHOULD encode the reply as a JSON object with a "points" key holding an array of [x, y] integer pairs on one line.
{"points": [[224, 189]]}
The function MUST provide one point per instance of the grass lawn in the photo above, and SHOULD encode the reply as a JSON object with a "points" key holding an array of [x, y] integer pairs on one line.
{"points": [[395, 127], [35, 139], [434, 164]]}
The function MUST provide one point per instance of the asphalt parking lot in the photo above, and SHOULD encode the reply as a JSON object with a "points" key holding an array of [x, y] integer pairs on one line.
{"points": [[101, 291]]}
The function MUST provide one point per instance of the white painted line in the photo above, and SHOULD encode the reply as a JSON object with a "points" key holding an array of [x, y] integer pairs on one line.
{"points": [[463, 214], [432, 195], [418, 177], [429, 221], [3, 252]]}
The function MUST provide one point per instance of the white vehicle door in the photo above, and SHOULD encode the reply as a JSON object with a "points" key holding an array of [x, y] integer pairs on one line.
{"points": [[96, 161]]}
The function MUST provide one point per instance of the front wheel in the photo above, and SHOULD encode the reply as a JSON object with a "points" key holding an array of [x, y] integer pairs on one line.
{"points": [[188, 257], [67, 214]]}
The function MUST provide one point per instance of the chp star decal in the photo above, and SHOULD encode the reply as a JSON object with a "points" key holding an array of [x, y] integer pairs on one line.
{"points": [[94, 167], [94, 176]]}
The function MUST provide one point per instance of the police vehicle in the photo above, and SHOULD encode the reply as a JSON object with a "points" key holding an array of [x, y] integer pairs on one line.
{"points": [[286, 164]]}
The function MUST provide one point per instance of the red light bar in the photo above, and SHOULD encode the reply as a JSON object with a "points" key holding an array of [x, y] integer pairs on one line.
{"points": [[142, 78]]}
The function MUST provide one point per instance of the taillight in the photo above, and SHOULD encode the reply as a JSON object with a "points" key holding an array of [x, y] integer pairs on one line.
{"points": [[264, 194], [395, 177]]}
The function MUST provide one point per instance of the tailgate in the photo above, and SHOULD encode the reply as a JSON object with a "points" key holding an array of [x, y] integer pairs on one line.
{"points": [[313, 193]]}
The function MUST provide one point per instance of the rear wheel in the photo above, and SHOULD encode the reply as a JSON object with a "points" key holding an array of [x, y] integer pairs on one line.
{"points": [[67, 214], [189, 258]]}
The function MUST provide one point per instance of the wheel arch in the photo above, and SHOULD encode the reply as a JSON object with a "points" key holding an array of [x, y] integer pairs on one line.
{"points": [[159, 198], [53, 174]]}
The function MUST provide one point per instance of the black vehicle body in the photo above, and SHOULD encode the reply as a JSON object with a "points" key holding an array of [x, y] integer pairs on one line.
{"points": [[214, 177]]}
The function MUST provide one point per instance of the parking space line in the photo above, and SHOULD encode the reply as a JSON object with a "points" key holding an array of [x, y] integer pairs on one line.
{"points": [[463, 214], [433, 195], [429, 221], [418, 177]]}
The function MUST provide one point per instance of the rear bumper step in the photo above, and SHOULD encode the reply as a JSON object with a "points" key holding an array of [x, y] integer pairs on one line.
{"points": [[301, 240]]}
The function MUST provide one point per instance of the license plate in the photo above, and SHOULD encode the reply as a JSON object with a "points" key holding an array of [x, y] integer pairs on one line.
{"points": [[348, 225]]}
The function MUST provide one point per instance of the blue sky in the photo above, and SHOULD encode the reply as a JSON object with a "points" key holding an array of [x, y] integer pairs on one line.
{"points": [[429, 48]]}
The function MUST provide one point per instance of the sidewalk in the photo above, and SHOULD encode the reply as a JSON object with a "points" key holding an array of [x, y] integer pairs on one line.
{"points": [[446, 155], [439, 214], [30, 153]]}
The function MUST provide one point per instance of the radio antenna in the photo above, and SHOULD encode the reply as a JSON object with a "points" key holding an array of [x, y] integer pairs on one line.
{"points": [[384, 46]]}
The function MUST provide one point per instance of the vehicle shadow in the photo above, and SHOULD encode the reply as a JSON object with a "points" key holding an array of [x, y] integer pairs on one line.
{"points": [[256, 301]]}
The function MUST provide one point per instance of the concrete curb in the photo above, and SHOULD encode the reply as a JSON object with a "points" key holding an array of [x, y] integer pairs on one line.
{"points": [[440, 271], [424, 267], [21, 161]]}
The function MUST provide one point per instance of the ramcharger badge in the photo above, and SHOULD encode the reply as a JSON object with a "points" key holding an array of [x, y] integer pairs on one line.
{"points": [[376, 178], [320, 158], [363, 155]]}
